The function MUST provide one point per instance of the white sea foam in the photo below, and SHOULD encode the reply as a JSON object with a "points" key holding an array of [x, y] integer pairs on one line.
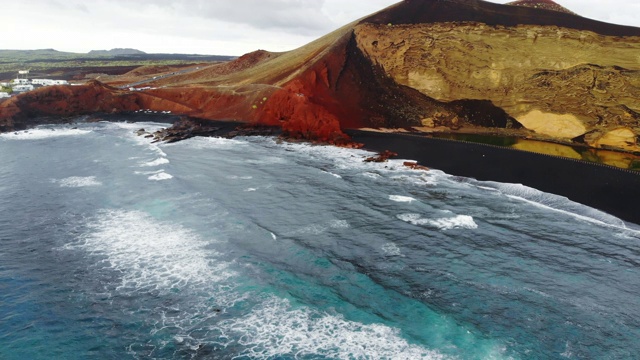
{"points": [[149, 172], [391, 249], [349, 159], [393, 169], [203, 143], [418, 178], [401, 199], [332, 174], [313, 229], [448, 223], [235, 177], [342, 157], [150, 254], [156, 162], [160, 176], [487, 188], [277, 329], [148, 126], [42, 133], [339, 224], [78, 182], [371, 175], [568, 353], [317, 229], [267, 160], [415, 219], [251, 190]]}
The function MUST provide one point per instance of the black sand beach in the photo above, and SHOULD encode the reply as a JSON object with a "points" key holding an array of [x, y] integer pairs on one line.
{"points": [[615, 191]]}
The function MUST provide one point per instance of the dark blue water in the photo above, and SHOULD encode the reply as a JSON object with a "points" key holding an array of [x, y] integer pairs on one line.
{"points": [[112, 247]]}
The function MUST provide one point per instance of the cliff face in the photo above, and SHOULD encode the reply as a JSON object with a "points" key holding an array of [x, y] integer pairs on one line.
{"points": [[18, 112], [559, 82], [419, 63]]}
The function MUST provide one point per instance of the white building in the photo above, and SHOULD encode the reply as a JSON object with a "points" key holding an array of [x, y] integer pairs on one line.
{"points": [[21, 81], [49, 82], [4, 95], [22, 88]]}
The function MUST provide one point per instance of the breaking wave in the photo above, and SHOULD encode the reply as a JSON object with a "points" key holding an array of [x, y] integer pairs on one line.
{"points": [[156, 162], [561, 204], [78, 182], [449, 223], [43, 133], [160, 176], [401, 199]]}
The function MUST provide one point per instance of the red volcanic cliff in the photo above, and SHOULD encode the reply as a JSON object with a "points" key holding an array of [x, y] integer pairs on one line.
{"points": [[17, 112]]}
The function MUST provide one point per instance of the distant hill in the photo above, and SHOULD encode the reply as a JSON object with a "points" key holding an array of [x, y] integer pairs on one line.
{"points": [[29, 56], [26, 55], [116, 52]]}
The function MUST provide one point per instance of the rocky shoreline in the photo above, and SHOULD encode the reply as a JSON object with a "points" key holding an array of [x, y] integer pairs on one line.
{"points": [[610, 189], [613, 190], [186, 128]]}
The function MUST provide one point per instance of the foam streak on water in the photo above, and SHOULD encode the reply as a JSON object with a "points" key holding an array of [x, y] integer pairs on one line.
{"points": [[78, 181]]}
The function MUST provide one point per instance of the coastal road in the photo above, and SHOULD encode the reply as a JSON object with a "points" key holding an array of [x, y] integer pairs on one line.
{"points": [[160, 77]]}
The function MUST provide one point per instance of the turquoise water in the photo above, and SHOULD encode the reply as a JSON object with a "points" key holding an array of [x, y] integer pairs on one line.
{"points": [[113, 247]]}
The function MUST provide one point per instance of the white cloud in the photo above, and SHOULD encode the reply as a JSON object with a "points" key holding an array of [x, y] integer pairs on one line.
{"points": [[231, 27]]}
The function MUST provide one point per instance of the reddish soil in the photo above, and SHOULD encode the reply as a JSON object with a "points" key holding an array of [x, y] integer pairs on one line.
{"points": [[344, 90]]}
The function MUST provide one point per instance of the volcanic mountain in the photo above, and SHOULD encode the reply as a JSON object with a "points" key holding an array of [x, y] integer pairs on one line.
{"points": [[457, 65]]}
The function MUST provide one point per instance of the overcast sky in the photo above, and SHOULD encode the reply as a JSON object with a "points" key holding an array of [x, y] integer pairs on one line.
{"points": [[223, 27]]}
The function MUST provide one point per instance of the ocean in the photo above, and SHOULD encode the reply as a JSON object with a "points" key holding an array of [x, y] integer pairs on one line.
{"points": [[112, 247]]}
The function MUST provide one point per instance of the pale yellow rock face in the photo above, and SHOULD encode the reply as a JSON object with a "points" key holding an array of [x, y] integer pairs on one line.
{"points": [[579, 80], [623, 138], [565, 126]]}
